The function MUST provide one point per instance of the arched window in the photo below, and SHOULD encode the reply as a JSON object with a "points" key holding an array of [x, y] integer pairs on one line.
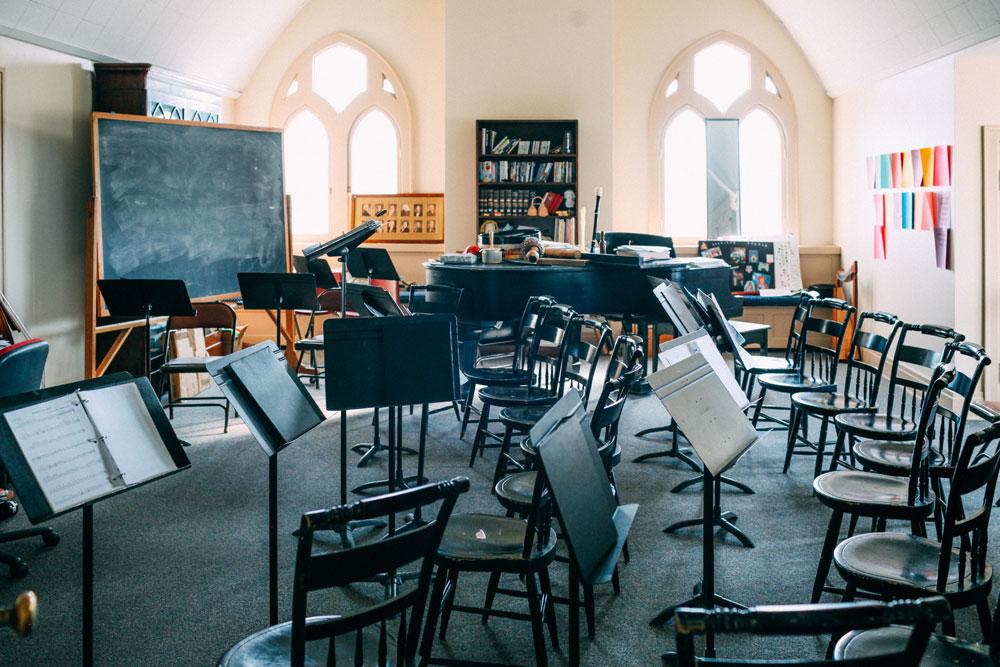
{"points": [[347, 126], [724, 126]]}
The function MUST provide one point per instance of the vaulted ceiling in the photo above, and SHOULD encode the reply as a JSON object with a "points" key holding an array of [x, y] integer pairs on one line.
{"points": [[853, 42], [848, 42]]}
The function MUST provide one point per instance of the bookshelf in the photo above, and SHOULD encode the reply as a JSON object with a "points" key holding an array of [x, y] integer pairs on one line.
{"points": [[520, 160]]}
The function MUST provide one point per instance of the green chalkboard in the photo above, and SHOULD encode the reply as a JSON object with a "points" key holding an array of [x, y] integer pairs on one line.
{"points": [[193, 201]]}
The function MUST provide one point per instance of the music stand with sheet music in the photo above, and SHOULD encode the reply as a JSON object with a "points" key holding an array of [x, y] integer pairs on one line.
{"points": [[594, 526], [278, 291], [278, 410], [390, 362], [122, 441], [373, 264], [720, 432], [145, 298]]}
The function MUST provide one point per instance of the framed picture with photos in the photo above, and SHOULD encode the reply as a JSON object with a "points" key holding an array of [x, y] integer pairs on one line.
{"points": [[408, 218]]}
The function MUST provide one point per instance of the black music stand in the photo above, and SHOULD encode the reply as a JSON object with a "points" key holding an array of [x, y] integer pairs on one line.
{"points": [[30, 488], [145, 298], [278, 291], [319, 268], [373, 264], [278, 410], [341, 247]]}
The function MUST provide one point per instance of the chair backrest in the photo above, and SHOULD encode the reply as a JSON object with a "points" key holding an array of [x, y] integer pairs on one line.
{"points": [[823, 338], [588, 342], [329, 300], [970, 501], [953, 413], [608, 411], [615, 239], [796, 328], [906, 388], [210, 315], [918, 489], [550, 342], [533, 309], [814, 619], [22, 366], [434, 299], [416, 547], [626, 353], [864, 376]]}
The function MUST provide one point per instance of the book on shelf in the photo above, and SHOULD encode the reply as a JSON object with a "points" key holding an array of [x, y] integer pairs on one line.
{"points": [[523, 171]]}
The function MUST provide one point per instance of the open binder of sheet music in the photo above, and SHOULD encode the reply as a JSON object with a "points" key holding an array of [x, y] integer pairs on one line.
{"points": [[697, 398], [87, 444], [700, 342], [674, 303]]}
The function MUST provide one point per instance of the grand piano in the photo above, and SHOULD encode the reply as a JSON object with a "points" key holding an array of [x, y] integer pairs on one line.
{"points": [[498, 292]]}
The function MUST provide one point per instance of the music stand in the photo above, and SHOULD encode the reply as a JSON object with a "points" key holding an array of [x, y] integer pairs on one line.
{"points": [[278, 410], [318, 267], [372, 263], [278, 291], [341, 247], [31, 482], [145, 298]]}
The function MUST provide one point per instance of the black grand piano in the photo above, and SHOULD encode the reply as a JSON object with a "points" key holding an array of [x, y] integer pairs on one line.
{"points": [[498, 292]]}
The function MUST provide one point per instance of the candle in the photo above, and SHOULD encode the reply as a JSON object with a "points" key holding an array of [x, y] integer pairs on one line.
{"points": [[599, 192], [583, 229]]}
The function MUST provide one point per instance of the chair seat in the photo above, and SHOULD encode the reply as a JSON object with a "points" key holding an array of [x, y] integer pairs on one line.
{"points": [[828, 403], [311, 343], [892, 561], [761, 364], [515, 491], [487, 537], [877, 426], [892, 458], [868, 493], [515, 396], [940, 650], [186, 365], [790, 383], [503, 376], [522, 418], [272, 646]]}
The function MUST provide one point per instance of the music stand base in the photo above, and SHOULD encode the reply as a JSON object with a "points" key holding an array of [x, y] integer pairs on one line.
{"points": [[725, 521], [723, 479], [698, 601]]}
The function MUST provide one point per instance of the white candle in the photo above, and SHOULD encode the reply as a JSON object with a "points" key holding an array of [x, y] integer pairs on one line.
{"points": [[599, 192], [583, 229]]}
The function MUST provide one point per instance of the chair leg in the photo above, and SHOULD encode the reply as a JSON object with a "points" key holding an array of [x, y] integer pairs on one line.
{"points": [[479, 442], [760, 405], [501, 470], [433, 612], [838, 450], [468, 409], [449, 601], [821, 446], [826, 556], [793, 434], [537, 623], [491, 594], [225, 421], [458, 413], [545, 585], [588, 608], [985, 622]]}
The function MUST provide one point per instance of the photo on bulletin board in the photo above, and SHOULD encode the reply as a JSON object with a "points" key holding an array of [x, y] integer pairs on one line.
{"points": [[408, 218]]}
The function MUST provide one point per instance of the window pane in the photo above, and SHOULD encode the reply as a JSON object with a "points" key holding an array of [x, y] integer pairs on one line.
{"points": [[340, 74], [722, 146], [387, 86], [293, 88], [374, 155], [761, 159], [672, 88], [684, 184], [721, 73], [770, 86], [307, 164]]}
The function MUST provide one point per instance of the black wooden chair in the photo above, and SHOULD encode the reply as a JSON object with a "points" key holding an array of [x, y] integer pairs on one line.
{"points": [[882, 497], [298, 642], [208, 316], [329, 304], [895, 565], [505, 367], [589, 340], [859, 392], [834, 618], [819, 356], [749, 366], [430, 300], [906, 391], [546, 366]]}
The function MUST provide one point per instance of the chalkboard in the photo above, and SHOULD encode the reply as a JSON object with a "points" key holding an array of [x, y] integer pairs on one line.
{"points": [[198, 202]]}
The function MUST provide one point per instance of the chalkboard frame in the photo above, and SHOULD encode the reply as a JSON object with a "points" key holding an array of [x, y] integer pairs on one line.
{"points": [[94, 305]]}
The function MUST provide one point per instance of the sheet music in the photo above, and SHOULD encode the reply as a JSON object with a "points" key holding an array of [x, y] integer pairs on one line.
{"points": [[129, 432], [699, 342], [60, 445], [674, 303], [697, 399]]}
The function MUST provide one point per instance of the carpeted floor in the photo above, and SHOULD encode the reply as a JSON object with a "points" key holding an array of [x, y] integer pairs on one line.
{"points": [[181, 564]]}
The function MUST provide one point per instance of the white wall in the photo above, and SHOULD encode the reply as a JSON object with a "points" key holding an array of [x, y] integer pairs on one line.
{"points": [[910, 110], [47, 180], [648, 36]]}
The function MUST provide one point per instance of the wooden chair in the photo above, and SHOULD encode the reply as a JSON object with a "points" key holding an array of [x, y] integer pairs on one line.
{"points": [[906, 391], [895, 565], [859, 392], [435, 299], [819, 360], [316, 640], [882, 497], [215, 315], [813, 619]]}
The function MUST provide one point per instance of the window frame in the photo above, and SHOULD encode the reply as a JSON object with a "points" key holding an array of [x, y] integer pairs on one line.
{"points": [[340, 126], [664, 109]]}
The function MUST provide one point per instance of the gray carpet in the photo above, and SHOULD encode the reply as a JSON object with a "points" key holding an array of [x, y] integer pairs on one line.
{"points": [[181, 564]]}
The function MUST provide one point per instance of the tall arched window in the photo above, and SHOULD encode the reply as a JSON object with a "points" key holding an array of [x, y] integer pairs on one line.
{"points": [[723, 124], [347, 127]]}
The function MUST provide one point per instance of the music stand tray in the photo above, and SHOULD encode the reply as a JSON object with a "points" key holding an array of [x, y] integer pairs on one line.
{"points": [[373, 264]]}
